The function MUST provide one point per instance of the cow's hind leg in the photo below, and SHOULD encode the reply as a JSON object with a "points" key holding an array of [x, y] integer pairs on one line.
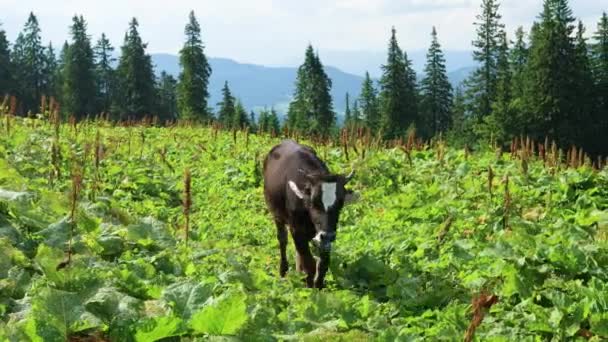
{"points": [[299, 263], [282, 237]]}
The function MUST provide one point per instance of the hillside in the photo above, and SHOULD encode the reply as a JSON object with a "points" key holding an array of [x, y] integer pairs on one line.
{"points": [[359, 61], [258, 86]]}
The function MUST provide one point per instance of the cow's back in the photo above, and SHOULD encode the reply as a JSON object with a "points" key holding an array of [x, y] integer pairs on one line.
{"points": [[283, 163]]}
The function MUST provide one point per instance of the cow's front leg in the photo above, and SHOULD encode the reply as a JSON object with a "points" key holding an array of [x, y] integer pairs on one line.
{"points": [[305, 259], [322, 266]]}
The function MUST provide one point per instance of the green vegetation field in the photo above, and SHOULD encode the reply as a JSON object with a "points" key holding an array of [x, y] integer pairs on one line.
{"points": [[424, 241]]}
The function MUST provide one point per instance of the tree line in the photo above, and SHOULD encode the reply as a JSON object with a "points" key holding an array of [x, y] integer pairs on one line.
{"points": [[551, 82], [85, 79]]}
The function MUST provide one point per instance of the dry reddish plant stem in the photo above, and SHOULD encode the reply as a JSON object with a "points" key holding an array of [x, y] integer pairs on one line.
{"points": [[445, 229], [187, 202], [74, 194], [490, 180], [481, 304], [344, 138], [507, 204]]}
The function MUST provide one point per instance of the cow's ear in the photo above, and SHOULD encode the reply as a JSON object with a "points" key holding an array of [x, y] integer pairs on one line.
{"points": [[294, 187], [351, 197]]}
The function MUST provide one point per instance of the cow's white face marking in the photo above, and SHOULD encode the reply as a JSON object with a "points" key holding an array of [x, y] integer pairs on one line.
{"points": [[328, 194]]}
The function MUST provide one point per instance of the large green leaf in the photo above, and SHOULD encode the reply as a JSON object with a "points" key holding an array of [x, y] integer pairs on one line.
{"points": [[109, 304], [225, 316], [159, 328], [58, 234], [48, 259], [150, 232], [599, 324], [57, 314], [187, 297], [9, 232], [14, 196]]}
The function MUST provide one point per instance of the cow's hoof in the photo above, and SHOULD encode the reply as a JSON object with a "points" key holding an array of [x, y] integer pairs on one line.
{"points": [[319, 283], [283, 267], [309, 283]]}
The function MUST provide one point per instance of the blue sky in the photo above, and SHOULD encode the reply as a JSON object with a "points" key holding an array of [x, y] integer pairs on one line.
{"points": [[275, 32]]}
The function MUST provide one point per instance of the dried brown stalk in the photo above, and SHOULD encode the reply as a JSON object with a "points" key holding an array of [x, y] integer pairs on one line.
{"points": [[187, 202], [490, 180], [74, 196], [480, 304], [507, 204]]}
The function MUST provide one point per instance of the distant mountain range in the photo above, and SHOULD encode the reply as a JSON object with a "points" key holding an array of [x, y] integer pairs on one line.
{"points": [[260, 86], [359, 61]]}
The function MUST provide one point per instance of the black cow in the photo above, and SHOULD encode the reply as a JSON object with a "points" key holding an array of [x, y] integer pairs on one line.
{"points": [[301, 192]]}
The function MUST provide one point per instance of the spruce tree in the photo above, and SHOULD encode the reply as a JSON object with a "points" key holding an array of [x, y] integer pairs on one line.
{"points": [[239, 117], [135, 77], [263, 121], [395, 108], [79, 72], [583, 115], [311, 110], [461, 133], [501, 124], [369, 104], [34, 64], [273, 121], [518, 58], [50, 73], [356, 114], [63, 55], [347, 114], [412, 89], [550, 95], [105, 74], [6, 68], [599, 57], [227, 107], [17, 58], [268, 121], [194, 76], [323, 113], [503, 81], [299, 115], [166, 108], [253, 127], [483, 82], [436, 91], [28, 57], [60, 71]]}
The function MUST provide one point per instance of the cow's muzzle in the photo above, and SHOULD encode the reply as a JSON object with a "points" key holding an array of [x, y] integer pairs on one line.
{"points": [[323, 240]]}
